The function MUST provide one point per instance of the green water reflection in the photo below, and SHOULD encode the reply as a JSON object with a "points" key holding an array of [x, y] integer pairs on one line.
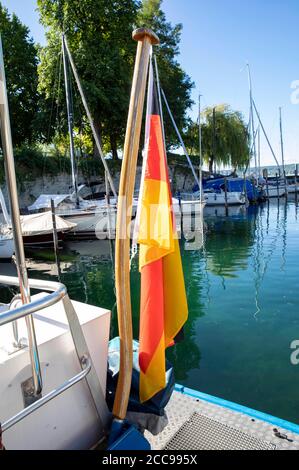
{"points": [[242, 289]]}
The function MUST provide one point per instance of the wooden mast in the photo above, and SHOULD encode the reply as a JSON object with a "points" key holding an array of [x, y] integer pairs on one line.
{"points": [[146, 38]]}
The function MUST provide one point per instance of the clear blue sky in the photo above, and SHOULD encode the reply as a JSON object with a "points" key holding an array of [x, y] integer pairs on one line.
{"points": [[219, 37]]}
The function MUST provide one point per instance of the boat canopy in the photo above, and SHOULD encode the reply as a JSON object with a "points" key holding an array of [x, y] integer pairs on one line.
{"points": [[44, 201], [34, 224]]}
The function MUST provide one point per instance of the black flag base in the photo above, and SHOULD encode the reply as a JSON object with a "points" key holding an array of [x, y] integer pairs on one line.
{"points": [[150, 415]]}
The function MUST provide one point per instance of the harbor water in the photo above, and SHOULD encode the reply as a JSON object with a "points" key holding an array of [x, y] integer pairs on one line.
{"points": [[242, 287]]}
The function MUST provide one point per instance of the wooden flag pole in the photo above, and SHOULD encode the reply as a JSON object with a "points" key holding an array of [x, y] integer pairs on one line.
{"points": [[146, 38]]}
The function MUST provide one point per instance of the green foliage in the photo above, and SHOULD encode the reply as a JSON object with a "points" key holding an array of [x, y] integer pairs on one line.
{"points": [[226, 143], [174, 81], [98, 33], [32, 162], [20, 58]]}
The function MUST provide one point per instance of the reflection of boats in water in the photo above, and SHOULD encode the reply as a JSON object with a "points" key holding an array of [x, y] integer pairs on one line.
{"points": [[221, 211]]}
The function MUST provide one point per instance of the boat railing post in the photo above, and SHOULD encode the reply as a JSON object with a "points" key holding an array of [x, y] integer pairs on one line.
{"points": [[296, 179], [245, 187], [55, 238], [277, 185], [286, 184], [265, 175], [225, 195], [9, 164]]}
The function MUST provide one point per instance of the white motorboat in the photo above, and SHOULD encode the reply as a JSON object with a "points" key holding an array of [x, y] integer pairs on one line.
{"points": [[6, 246], [90, 218], [188, 204], [37, 229], [214, 198], [274, 191], [293, 188]]}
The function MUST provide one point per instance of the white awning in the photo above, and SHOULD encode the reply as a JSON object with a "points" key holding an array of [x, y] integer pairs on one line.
{"points": [[42, 223], [44, 201]]}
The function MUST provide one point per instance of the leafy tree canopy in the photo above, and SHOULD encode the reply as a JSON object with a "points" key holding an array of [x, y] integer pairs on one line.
{"points": [[99, 37], [20, 59], [225, 138], [98, 33]]}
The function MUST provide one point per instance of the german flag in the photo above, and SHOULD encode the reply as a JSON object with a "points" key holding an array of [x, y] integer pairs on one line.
{"points": [[163, 305]]}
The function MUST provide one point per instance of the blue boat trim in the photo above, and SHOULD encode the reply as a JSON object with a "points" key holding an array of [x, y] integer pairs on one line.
{"points": [[239, 408]]}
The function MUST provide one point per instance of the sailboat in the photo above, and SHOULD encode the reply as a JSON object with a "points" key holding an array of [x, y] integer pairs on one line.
{"points": [[37, 229], [90, 217], [277, 188], [54, 398], [6, 238], [6, 245]]}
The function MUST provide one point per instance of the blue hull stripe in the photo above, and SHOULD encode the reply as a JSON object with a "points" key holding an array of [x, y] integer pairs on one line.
{"points": [[239, 408]]}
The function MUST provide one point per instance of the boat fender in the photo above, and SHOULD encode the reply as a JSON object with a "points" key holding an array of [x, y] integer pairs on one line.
{"points": [[1, 443]]}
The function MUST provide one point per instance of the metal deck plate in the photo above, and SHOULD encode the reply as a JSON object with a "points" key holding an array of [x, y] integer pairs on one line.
{"points": [[214, 427], [202, 433]]}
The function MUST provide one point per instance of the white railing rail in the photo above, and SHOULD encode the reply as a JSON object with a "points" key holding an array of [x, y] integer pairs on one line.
{"points": [[58, 293]]}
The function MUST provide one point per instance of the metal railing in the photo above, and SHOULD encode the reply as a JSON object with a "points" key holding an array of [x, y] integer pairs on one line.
{"points": [[58, 293], [85, 362]]}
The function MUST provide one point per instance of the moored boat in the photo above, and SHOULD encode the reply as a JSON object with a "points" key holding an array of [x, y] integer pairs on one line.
{"points": [[6, 246], [219, 198], [275, 191]]}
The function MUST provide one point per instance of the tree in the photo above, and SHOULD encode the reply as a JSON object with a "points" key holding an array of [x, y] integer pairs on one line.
{"points": [[20, 59], [99, 36], [174, 81], [225, 138]]}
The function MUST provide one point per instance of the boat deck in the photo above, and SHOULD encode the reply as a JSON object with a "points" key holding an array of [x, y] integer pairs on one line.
{"points": [[197, 424]]}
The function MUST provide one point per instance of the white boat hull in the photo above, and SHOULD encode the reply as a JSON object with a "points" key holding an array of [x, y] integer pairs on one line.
{"points": [[70, 421], [273, 191], [6, 248], [293, 188], [219, 199], [91, 224]]}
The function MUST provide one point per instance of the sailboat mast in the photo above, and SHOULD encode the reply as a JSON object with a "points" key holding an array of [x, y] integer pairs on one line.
{"points": [[70, 119], [90, 118], [281, 141], [200, 147], [252, 116], [259, 148], [7, 148]]}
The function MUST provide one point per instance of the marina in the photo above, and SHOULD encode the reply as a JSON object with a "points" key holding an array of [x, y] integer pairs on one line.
{"points": [[148, 292], [248, 257]]}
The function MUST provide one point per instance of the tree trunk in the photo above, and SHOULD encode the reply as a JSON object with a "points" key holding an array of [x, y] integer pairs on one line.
{"points": [[113, 144]]}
